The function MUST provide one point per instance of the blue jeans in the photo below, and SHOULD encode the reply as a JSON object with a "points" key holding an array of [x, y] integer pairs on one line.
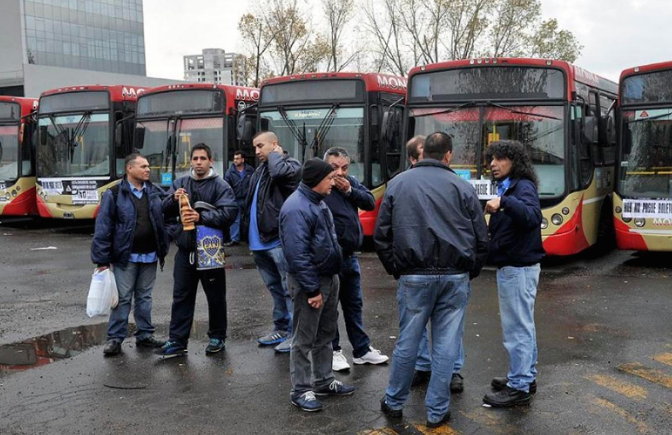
{"points": [[443, 299], [517, 290], [134, 281], [273, 269], [235, 227], [424, 361], [350, 295]]}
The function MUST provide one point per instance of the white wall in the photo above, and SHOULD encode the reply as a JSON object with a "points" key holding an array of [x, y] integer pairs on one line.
{"points": [[39, 78]]}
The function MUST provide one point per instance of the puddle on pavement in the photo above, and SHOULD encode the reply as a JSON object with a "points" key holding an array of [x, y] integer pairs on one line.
{"points": [[67, 343]]}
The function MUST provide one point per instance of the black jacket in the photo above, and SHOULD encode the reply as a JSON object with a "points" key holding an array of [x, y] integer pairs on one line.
{"points": [[280, 176], [115, 225], [239, 185], [344, 208], [212, 190], [515, 230], [430, 222], [309, 239]]}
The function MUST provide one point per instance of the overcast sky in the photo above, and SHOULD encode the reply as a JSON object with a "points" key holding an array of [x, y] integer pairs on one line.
{"points": [[616, 34]]}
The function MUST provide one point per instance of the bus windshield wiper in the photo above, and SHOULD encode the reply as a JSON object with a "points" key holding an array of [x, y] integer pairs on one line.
{"points": [[449, 110], [520, 112], [650, 118], [79, 130], [324, 127], [298, 135]]}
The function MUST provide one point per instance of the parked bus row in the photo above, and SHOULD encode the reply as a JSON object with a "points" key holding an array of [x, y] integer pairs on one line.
{"points": [[603, 151]]}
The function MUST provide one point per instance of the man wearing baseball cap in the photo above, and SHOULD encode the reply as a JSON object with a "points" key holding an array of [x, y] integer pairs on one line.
{"points": [[314, 259]]}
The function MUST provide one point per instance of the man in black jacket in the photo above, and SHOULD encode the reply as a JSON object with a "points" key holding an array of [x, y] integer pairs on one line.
{"points": [[203, 185], [238, 176], [344, 202], [274, 180], [432, 236], [314, 260], [131, 236]]}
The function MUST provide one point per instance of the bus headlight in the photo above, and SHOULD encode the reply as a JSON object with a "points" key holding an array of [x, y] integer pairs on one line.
{"points": [[556, 219], [565, 211], [627, 220], [544, 223], [618, 209], [640, 222]]}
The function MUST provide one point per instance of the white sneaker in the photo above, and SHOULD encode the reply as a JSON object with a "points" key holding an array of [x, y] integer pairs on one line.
{"points": [[339, 362], [373, 356]]}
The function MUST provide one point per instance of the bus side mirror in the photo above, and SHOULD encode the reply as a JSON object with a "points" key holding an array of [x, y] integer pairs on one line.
{"points": [[118, 134], [43, 134], [139, 137], [607, 130], [244, 129], [387, 127], [264, 124]]}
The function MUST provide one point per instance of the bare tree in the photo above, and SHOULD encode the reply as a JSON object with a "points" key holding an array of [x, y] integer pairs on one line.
{"points": [[253, 30], [292, 34], [337, 13], [388, 35], [551, 43], [512, 20], [466, 20]]}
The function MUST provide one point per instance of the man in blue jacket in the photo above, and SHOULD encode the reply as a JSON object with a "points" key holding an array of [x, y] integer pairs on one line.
{"points": [[277, 177], [238, 176], [203, 185], [516, 250], [431, 236], [130, 236], [314, 259], [344, 202]]}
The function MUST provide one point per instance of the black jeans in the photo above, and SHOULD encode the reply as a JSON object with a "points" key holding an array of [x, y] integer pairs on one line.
{"points": [[186, 279]]}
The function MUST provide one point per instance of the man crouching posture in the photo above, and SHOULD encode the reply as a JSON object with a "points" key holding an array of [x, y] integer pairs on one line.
{"points": [[313, 258]]}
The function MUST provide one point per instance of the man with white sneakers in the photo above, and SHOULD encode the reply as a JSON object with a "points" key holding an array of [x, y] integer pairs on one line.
{"points": [[344, 202]]}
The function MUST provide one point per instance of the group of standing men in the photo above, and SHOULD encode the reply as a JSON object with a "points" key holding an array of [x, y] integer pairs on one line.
{"points": [[431, 235]]}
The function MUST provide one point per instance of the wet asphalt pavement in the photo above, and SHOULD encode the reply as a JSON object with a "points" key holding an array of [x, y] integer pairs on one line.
{"points": [[604, 331]]}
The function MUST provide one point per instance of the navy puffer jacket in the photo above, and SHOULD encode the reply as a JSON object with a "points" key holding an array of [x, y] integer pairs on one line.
{"points": [[309, 239], [115, 225]]}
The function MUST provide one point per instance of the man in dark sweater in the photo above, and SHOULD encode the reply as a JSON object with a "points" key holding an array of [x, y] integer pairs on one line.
{"points": [[130, 236], [238, 176], [344, 202]]}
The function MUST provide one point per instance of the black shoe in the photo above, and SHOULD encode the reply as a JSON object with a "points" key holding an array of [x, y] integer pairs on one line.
{"points": [[456, 383], [507, 397], [498, 384], [391, 413], [232, 243], [215, 345], [441, 422], [112, 347], [420, 377], [150, 342]]}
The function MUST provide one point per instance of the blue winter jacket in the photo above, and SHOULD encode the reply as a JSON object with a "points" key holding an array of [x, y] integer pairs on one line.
{"points": [[239, 185], [115, 225], [309, 239], [344, 208], [212, 190], [515, 230]]}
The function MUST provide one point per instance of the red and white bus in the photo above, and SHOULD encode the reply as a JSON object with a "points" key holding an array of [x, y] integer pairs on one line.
{"points": [[311, 113], [554, 108], [171, 119], [84, 135], [643, 193], [17, 156]]}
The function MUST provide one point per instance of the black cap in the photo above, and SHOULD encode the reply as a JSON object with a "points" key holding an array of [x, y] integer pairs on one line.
{"points": [[314, 171]]}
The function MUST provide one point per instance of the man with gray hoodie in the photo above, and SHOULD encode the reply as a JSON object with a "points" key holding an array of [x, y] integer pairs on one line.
{"points": [[218, 211]]}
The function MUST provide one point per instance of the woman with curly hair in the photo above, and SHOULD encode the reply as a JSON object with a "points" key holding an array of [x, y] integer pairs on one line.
{"points": [[515, 248]]}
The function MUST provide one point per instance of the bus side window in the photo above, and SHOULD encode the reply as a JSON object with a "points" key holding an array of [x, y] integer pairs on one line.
{"points": [[592, 124], [584, 163], [608, 129], [27, 148], [393, 152]]}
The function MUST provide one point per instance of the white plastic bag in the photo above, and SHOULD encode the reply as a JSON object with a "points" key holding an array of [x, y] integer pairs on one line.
{"points": [[103, 293]]}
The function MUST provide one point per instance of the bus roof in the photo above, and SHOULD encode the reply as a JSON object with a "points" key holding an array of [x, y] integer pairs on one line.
{"points": [[372, 81], [232, 93], [27, 104], [117, 92], [659, 66], [574, 73]]}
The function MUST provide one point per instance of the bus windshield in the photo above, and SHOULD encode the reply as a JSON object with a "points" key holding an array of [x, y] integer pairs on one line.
{"points": [[473, 129], [75, 145], [646, 155], [160, 153], [306, 133], [9, 152]]}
